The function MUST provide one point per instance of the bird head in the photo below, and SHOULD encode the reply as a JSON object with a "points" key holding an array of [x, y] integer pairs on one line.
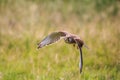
{"points": [[69, 40]]}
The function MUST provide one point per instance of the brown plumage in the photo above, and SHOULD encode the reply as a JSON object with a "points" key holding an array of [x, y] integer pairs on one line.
{"points": [[68, 37]]}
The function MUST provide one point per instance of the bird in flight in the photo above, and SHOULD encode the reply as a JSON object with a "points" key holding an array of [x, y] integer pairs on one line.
{"points": [[68, 38]]}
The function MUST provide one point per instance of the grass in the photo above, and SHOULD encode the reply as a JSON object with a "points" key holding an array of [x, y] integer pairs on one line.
{"points": [[22, 30]]}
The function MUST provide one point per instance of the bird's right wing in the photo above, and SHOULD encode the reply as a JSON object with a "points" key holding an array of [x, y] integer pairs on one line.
{"points": [[53, 37], [81, 56]]}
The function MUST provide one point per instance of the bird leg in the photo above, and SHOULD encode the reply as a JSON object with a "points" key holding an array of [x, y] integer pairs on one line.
{"points": [[73, 45]]}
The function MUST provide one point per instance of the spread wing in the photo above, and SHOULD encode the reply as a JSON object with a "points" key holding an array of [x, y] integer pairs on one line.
{"points": [[79, 43], [53, 37], [81, 60]]}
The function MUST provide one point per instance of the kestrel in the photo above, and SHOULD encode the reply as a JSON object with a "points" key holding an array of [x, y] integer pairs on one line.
{"points": [[68, 38]]}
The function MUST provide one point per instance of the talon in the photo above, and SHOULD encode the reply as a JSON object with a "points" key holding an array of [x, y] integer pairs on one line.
{"points": [[74, 45]]}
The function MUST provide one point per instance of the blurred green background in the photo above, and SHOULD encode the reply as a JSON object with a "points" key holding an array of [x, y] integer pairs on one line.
{"points": [[23, 23]]}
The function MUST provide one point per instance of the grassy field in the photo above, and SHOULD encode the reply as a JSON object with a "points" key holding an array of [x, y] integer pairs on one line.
{"points": [[24, 23]]}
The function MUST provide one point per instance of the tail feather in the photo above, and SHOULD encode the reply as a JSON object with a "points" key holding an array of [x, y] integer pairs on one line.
{"points": [[86, 46]]}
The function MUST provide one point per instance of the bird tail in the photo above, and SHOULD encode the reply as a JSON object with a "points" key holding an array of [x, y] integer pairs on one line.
{"points": [[86, 46]]}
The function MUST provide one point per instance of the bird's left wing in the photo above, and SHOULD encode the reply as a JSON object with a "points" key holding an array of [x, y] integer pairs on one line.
{"points": [[53, 37]]}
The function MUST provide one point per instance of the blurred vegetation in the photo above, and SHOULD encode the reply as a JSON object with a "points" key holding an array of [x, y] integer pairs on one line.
{"points": [[23, 23]]}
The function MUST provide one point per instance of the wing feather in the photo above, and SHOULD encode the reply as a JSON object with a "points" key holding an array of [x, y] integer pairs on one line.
{"points": [[53, 37], [78, 42]]}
